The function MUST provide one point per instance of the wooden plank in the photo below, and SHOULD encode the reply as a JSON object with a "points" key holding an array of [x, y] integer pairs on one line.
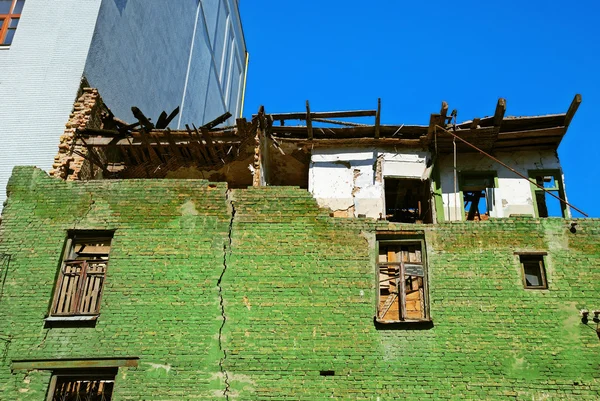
{"points": [[378, 118], [572, 109], [309, 122], [499, 113], [475, 123]]}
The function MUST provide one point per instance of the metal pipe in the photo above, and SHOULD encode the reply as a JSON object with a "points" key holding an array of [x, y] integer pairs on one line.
{"points": [[510, 168]]}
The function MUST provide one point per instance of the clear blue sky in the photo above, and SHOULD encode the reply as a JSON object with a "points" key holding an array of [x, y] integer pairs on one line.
{"points": [[343, 55]]}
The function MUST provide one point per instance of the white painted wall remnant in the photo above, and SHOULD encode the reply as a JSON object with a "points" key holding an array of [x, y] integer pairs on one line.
{"points": [[513, 195], [347, 180]]}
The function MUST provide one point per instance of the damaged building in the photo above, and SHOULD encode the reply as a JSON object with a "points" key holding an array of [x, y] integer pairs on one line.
{"points": [[299, 256]]}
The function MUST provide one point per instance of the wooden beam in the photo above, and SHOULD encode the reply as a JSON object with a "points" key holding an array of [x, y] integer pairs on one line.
{"points": [[444, 110], [308, 121], [338, 122], [48, 364], [475, 123], [378, 118], [572, 109], [499, 114], [545, 132], [216, 121], [326, 114]]}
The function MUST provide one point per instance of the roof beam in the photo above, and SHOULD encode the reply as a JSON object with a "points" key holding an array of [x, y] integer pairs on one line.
{"points": [[572, 109], [308, 121], [378, 118], [500, 111], [326, 114], [444, 110]]}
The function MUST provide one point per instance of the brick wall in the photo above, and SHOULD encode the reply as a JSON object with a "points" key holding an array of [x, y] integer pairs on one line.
{"points": [[297, 289]]}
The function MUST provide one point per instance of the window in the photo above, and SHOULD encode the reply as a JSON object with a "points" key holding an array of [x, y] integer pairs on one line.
{"points": [[402, 281], [547, 205], [477, 190], [534, 272], [10, 13], [407, 200], [80, 385], [81, 278]]}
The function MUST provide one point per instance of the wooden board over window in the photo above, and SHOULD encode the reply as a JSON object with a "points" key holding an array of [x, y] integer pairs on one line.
{"points": [[402, 282]]}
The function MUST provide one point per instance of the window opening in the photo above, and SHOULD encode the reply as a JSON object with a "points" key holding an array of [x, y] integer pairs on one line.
{"points": [[478, 196], [81, 277], [10, 14], [534, 273], [548, 205], [74, 386], [402, 282], [407, 200]]}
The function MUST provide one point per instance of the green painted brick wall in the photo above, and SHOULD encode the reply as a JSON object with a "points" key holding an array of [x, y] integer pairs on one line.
{"points": [[298, 290]]}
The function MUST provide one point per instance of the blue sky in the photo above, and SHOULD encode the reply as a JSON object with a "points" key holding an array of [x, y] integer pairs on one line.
{"points": [[343, 55]]}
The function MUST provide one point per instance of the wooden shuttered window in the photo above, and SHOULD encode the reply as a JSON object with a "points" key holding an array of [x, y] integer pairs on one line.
{"points": [[402, 280], [79, 387], [81, 277]]}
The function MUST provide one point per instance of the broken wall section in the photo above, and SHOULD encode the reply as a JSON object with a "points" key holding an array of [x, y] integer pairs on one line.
{"points": [[70, 163], [511, 194], [351, 181]]}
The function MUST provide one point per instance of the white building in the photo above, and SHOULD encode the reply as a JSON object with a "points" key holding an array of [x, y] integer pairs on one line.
{"points": [[153, 54]]}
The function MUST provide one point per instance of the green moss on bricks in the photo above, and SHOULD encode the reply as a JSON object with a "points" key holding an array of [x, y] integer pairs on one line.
{"points": [[298, 298]]}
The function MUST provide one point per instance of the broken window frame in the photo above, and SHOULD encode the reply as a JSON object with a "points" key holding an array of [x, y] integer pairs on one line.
{"points": [[394, 240], [529, 258], [535, 191], [73, 376], [464, 175], [426, 207], [6, 22], [87, 273]]}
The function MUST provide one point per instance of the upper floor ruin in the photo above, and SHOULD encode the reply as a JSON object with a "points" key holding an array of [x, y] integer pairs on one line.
{"points": [[491, 167]]}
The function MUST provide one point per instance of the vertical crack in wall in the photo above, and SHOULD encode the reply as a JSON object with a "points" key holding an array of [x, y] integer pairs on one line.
{"points": [[226, 249], [79, 220]]}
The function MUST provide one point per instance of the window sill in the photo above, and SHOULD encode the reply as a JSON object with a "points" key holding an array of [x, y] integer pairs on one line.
{"points": [[70, 321], [403, 324], [85, 318]]}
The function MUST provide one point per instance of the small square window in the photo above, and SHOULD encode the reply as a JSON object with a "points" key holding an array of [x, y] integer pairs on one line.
{"points": [[81, 278], [534, 273], [82, 385]]}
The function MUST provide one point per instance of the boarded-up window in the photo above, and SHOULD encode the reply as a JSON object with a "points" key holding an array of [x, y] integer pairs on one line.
{"points": [[402, 282], [81, 277]]}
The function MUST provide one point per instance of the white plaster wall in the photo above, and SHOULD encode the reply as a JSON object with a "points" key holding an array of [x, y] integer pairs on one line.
{"points": [[345, 179], [39, 79], [513, 195]]}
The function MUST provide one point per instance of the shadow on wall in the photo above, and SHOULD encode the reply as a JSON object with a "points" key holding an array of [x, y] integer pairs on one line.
{"points": [[121, 4]]}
